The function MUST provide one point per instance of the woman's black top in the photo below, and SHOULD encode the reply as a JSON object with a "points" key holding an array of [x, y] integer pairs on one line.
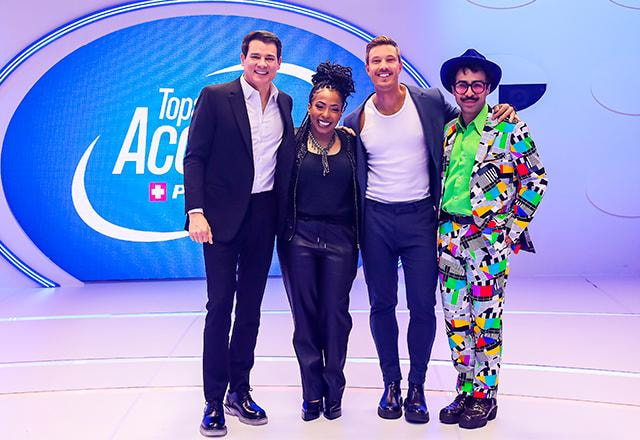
{"points": [[329, 197]]}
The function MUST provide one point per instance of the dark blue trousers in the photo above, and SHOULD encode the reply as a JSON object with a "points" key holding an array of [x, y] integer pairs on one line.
{"points": [[406, 231]]}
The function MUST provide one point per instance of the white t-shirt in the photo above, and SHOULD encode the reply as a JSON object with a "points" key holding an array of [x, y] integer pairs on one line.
{"points": [[397, 154]]}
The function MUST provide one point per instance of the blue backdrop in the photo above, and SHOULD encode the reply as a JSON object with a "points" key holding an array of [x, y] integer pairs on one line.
{"points": [[92, 158]]}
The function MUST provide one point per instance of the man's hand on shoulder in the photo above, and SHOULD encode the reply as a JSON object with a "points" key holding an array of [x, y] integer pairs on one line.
{"points": [[346, 130], [505, 111], [199, 229]]}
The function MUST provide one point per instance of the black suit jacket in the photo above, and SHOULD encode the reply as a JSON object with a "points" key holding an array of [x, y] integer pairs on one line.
{"points": [[434, 112], [218, 164]]}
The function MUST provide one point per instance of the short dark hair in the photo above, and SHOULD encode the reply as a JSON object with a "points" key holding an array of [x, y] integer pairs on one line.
{"points": [[266, 37], [474, 67], [381, 40]]}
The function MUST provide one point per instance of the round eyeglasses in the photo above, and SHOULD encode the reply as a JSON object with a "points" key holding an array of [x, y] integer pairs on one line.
{"points": [[477, 87]]}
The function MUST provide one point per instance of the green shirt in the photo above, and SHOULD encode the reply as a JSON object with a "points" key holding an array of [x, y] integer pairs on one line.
{"points": [[456, 198]]}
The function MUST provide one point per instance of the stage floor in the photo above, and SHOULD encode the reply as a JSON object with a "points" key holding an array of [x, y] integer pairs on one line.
{"points": [[122, 360]]}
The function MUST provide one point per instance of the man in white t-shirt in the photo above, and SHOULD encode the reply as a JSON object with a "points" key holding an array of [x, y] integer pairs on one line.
{"points": [[399, 162]]}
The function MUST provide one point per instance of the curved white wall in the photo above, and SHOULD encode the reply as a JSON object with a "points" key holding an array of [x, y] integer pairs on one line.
{"points": [[585, 125]]}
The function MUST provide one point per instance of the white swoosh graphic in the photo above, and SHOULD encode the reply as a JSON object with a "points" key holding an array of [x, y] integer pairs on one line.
{"points": [[97, 223], [288, 69]]}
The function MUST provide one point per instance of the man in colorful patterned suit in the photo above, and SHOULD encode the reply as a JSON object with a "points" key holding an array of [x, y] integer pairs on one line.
{"points": [[493, 182]]}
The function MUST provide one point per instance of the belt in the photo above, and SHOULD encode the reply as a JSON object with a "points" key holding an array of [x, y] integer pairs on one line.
{"points": [[460, 219], [400, 207], [396, 204]]}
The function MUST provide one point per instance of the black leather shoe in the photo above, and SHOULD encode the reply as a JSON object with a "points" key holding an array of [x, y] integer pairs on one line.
{"points": [[415, 406], [332, 409], [213, 420], [451, 413], [478, 412], [311, 410], [390, 406], [241, 405]]}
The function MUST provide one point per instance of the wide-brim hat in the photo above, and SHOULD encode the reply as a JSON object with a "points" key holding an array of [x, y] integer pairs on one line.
{"points": [[450, 68]]}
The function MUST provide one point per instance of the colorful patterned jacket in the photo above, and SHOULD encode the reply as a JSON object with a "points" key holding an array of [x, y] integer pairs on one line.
{"points": [[508, 179]]}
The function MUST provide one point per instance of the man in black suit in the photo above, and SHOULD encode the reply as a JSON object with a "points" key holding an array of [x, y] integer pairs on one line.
{"points": [[399, 162], [236, 171]]}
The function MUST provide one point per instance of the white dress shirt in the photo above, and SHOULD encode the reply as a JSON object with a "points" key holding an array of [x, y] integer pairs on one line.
{"points": [[267, 129]]}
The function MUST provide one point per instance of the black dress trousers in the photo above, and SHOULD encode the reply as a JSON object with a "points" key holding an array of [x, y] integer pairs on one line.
{"points": [[238, 268], [318, 267]]}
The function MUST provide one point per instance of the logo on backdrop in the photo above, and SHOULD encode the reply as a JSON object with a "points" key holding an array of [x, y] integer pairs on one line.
{"points": [[174, 110], [92, 158]]}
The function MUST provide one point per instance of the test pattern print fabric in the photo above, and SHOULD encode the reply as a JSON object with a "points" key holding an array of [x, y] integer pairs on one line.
{"points": [[507, 183], [507, 180], [473, 275]]}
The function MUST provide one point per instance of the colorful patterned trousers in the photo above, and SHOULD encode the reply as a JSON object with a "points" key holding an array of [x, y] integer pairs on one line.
{"points": [[473, 269]]}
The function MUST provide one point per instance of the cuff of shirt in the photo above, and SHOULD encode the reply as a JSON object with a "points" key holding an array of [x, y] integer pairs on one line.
{"points": [[195, 210]]}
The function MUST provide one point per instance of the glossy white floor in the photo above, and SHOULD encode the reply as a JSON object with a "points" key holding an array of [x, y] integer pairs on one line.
{"points": [[122, 360]]}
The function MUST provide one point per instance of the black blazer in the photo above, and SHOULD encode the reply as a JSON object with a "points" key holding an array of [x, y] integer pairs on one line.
{"points": [[218, 164], [434, 112]]}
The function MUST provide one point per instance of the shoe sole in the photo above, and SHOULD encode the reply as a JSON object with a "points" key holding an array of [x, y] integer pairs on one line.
{"points": [[215, 433], [308, 418], [483, 422], [449, 420], [253, 422], [333, 415], [416, 418], [389, 414]]}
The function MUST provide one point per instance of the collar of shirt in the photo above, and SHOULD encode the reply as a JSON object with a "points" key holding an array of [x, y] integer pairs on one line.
{"points": [[477, 123], [248, 91]]}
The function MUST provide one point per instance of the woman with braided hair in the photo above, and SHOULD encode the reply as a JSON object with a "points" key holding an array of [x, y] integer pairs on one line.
{"points": [[319, 253]]}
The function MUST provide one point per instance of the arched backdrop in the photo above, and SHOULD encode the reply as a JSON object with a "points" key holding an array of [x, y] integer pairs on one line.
{"points": [[570, 64]]}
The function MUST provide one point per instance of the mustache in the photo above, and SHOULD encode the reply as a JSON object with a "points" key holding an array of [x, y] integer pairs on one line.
{"points": [[470, 99]]}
